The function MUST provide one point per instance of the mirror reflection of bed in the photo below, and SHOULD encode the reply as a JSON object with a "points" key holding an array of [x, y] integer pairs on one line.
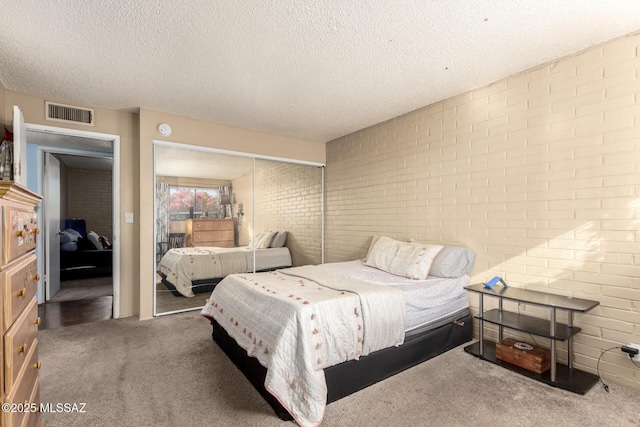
{"points": [[219, 213]]}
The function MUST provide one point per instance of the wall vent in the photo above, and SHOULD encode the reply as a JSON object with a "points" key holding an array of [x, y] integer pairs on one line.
{"points": [[68, 113]]}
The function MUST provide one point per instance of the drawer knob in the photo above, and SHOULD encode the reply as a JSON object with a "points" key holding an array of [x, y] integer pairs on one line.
{"points": [[22, 348], [37, 321], [35, 230], [21, 233], [37, 365], [35, 277], [22, 292]]}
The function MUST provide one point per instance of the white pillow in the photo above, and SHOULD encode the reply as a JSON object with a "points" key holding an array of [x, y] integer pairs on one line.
{"points": [[70, 235], [255, 239], [279, 240], [263, 240], [407, 259], [95, 240], [453, 261], [374, 239]]}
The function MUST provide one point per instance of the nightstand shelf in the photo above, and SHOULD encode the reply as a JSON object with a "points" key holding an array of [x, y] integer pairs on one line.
{"points": [[559, 375], [529, 324], [573, 380]]}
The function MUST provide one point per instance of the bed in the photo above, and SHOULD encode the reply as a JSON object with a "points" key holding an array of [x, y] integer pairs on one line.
{"points": [[83, 255], [82, 264], [307, 336], [187, 271]]}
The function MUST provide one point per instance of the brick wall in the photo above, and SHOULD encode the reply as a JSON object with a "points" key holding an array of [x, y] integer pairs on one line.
{"points": [[288, 197], [538, 173], [243, 189], [89, 195]]}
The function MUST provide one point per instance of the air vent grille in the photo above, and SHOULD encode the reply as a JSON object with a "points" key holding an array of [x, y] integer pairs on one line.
{"points": [[69, 113]]}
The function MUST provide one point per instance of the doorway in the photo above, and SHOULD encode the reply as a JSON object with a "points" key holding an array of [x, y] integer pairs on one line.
{"points": [[82, 152], [78, 214]]}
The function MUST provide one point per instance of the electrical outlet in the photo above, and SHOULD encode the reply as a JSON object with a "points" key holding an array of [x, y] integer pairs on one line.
{"points": [[636, 358]]}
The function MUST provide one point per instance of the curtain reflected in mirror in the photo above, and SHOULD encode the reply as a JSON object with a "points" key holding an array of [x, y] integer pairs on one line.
{"points": [[218, 214]]}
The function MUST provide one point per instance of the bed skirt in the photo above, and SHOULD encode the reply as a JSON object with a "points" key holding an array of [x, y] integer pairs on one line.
{"points": [[352, 376], [198, 286]]}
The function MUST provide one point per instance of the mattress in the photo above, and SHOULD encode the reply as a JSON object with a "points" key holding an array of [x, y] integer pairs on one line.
{"points": [[429, 303]]}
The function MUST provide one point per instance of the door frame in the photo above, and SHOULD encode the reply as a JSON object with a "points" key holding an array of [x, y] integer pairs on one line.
{"points": [[52, 239], [115, 139]]}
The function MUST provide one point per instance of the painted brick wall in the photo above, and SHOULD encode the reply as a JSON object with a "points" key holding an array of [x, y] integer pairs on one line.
{"points": [[538, 173], [288, 197], [243, 189], [90, 197]]}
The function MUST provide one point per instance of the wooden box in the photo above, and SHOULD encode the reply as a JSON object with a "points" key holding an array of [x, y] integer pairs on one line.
{"points": [[537, 359]]}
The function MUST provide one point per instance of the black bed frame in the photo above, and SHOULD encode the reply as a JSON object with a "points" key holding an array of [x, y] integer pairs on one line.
{"points": [[198, 286], [352, 376]]}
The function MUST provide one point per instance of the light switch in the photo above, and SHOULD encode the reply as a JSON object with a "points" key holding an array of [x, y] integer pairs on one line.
{"points": [[128, 217]]}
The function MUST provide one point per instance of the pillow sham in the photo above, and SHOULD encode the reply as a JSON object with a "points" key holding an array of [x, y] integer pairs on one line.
{"points": [[279, 240], [264, 239], [268, 238], [453, 262], [407, 259], [255, 239], [374, 239]]}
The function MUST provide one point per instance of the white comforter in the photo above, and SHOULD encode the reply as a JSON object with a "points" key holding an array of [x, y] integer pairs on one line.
{"points": [[300, 320], [182, 265]]}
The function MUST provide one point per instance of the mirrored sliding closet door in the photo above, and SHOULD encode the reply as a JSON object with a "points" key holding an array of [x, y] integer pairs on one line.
{"points": [[218, 213], [288, 199], [203, 206]]}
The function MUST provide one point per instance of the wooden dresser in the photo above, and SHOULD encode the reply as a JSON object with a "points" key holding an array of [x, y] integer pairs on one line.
{"points": [[19, 281], [210, 232]]}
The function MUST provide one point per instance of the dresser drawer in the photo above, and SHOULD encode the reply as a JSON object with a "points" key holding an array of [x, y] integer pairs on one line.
{"points": [[212, 224], [204, 225], [226, 224], [24, 388], [34, 419], [212, 236], [19, 283], [18, 342], [20, 230]]}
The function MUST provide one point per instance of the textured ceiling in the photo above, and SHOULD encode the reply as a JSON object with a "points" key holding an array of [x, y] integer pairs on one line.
{"points": [[313, 69]]}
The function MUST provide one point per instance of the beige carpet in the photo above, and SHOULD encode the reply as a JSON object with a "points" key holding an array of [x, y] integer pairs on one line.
{"points": [[166, 301], [96, 287], [168, 372]]}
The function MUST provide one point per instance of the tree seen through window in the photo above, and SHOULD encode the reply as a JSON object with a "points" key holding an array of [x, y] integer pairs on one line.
{"points": [[203, 201]]}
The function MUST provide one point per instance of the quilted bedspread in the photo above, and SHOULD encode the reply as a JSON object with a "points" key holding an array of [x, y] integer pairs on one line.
{"points": [[300, 320], [182, 265]]}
